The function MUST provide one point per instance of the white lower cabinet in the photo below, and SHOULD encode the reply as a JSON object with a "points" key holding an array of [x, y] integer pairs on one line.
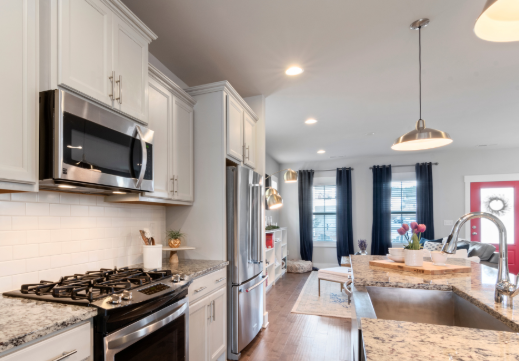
{"points": [[75, 342], [208, 319]]}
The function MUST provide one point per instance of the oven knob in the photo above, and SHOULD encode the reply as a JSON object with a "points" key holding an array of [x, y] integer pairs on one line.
{"points": [[116, 298], [127, 295], [175, 278]]}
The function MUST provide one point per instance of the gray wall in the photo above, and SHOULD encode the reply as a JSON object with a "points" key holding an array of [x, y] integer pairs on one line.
{"points": [[157, 64], [449, 188], [272, 166]]}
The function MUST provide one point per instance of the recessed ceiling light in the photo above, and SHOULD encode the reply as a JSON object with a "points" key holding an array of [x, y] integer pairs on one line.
{"points": [[294, 70], [372, 133], [118, 192], [65, 186], [310, 121], [321, 151]]}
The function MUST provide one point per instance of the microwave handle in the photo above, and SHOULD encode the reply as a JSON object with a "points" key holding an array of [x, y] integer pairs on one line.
{"points": [[144, 157]]}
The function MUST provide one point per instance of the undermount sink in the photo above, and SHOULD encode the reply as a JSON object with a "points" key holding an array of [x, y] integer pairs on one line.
{"points": [[430, 306]]}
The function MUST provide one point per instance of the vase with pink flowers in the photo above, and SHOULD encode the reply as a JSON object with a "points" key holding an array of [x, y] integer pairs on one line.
{"points": [[413, 252]]}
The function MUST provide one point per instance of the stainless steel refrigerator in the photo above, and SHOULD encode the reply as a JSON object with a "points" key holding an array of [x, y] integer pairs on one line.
{"points": [[245, 255]]}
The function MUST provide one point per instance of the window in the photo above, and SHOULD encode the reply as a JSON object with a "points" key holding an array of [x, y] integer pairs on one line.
{"points": [[403, 206], [324, 209]]}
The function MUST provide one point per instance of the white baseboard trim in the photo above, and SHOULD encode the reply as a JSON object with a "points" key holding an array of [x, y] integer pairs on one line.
{"points": [[325, 265]]}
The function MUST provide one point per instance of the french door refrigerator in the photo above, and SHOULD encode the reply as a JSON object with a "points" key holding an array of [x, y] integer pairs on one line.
{"points": [[244, 252]]}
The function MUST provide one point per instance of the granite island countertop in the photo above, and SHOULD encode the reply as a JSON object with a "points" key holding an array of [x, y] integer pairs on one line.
{"points": [[24, 320], [194, 268], [476, 287]]}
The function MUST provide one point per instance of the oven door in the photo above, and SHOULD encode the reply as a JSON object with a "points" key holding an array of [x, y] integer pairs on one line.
{"points": [[100, 147], [162, 336]]}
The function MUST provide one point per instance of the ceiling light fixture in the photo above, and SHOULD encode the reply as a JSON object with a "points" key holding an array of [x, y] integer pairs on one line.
{"points": [[118, 192], [274, 200], [65, 186], [321, 151], [499, 21], [294, 70], [421, 137], [311, 121]]}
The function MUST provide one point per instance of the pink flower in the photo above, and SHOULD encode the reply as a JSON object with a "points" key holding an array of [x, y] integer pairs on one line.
{"points": [[421, 228], [405, 227], [415, 231], [401, 231], [414, 225]]}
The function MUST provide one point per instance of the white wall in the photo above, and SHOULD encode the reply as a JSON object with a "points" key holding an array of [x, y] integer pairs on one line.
{"points": [[46, 235], [449, 188], [272, 166]]}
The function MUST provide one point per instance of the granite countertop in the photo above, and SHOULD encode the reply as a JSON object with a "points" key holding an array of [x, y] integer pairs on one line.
{"points": [[23, 320], [193, 267], [406, 340], [387, 340]]}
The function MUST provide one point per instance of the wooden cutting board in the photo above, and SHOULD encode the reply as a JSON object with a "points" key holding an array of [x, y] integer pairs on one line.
{"points": [[428, 268]]}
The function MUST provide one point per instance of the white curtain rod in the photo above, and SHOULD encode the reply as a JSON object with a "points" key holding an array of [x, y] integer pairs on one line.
{"points": [[407, 165]]}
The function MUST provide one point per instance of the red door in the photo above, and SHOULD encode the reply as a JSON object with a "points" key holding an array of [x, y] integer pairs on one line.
{"points": [[502, 200]]}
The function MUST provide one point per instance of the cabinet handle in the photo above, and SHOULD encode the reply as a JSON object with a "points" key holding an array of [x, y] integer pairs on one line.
{"points": [[210, 311], [173, 179], [65, 355], [220, 280], [214, 311], [200, 289], [112, 79], [120, 82], [176, 188], [248, 153]]}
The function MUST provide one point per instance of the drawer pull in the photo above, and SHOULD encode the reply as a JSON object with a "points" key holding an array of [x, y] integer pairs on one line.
{"points": [[220, 280], [65, 355], [200, 289]]}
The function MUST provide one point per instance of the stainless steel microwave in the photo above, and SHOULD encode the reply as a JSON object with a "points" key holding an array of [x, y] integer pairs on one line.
{"points": [[87, 148]]}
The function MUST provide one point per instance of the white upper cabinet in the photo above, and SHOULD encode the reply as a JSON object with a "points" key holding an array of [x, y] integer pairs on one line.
{"points": [[234, 129], [85, 48], [99, 49], [249, 141], [183, 162], [19, 95], [130, 54]]}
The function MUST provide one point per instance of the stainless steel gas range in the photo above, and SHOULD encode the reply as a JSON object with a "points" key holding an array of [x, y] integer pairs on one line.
{"points": [[142, 315]]}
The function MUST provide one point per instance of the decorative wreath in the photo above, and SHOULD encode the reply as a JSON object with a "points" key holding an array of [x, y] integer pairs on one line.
{"points": [[497, 205]]}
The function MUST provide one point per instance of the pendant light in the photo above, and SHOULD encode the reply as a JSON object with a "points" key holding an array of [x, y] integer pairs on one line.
{"points": [[421, 137], [499, 21]]}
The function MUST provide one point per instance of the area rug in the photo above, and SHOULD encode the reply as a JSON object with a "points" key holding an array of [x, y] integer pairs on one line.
{"points": [[332, 302]]}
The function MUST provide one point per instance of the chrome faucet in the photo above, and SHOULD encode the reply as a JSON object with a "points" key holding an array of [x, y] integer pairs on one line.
{"points": [[503, 285]]}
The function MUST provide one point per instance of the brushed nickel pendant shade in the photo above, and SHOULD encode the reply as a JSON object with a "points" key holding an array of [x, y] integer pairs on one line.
{"points": [[499, 21], [421, 137], [290, 176]]}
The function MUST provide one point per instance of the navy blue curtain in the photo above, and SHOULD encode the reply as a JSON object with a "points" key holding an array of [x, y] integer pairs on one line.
{"points": [[305, 182], [424, 198], [344, 214], [381, 229]]}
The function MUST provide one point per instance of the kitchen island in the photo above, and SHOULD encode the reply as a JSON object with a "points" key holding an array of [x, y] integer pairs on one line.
{"points": [[388, 339]]}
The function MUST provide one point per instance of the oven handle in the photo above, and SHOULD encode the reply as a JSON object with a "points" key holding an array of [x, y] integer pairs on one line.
{"points": [[143, 332], [144, 157]]}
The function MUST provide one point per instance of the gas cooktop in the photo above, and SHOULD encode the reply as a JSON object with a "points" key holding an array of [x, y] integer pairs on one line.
{"points": [[106, 288]]}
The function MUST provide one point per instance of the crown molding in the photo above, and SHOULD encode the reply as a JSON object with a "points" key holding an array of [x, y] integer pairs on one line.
{"points": [[130, 18], [218, 87], [170, 85]]}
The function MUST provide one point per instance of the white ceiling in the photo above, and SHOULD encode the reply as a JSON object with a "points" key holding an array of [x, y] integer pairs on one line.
{"points": [[361, 71]]}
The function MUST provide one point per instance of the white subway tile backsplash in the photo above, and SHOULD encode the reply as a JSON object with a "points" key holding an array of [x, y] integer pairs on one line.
{"points": [[37, 209], [60, 210], [46, 235], [24, 223], [24, 197]]}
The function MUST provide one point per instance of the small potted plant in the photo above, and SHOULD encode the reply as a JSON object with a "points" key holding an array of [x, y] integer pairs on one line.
{"points": [[174, 238], [413, 252], [363, 246]]}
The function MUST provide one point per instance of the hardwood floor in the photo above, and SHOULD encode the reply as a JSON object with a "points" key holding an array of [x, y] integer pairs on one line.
{"points": [[296, 337]]}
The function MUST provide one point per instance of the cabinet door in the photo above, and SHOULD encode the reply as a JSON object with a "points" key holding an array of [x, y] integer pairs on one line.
{"points": [[85, 48], [183, 151], [199, 318], [249, 140], [218, 324], [131, 70], [19, 93], [234, 129], [160, 115]]}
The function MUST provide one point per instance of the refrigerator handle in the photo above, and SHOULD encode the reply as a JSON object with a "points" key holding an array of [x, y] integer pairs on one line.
{"points": [[260, 226], [254, 251]]}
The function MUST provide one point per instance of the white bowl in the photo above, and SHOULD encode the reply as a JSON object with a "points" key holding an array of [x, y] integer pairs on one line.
{"points": [[398, 259], [439, 258], [397, 252]]}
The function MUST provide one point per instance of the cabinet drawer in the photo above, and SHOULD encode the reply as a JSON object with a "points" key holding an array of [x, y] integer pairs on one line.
{"points": [[207, 284], [77, 339]]}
